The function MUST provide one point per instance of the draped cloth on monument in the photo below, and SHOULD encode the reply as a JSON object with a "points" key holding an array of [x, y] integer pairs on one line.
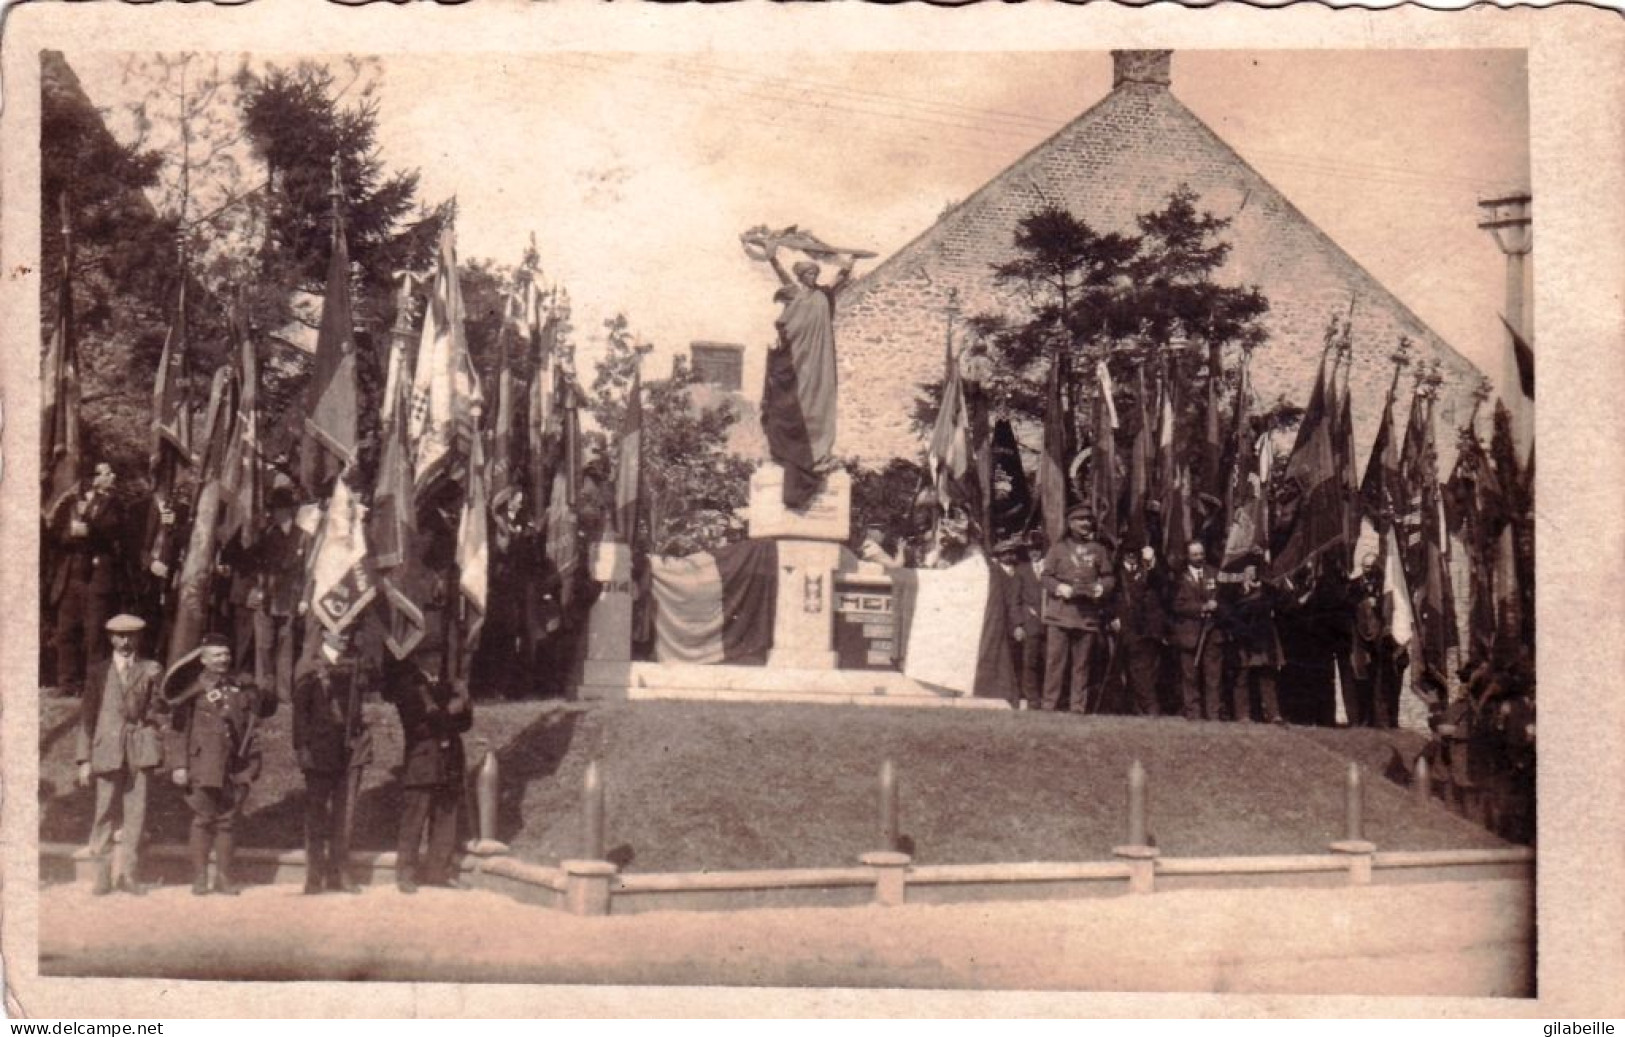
{"points": [[716, 606], [798, 397]]}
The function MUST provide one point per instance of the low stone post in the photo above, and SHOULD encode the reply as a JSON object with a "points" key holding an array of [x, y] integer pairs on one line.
{"points": [[890, 867], [1422, 781], [588, 880], [1354, 844], [1140, 855], [592, 814], [487, 788], [889, 825]]}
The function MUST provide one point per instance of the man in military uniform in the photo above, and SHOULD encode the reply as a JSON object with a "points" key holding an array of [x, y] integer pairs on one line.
{"points": [[329, 739], [212, 717], [1193, 607], [118, 746], [83, 528], [1077, 579], [433, 719], [1141, 627]]}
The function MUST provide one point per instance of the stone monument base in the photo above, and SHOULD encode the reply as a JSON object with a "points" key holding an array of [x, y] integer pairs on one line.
{"points": [[695, 682], [828, 516]]}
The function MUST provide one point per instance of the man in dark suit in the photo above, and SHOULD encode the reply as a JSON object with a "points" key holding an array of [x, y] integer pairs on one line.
{"points": [[1022, 598], [117, 747], [1256, 645], [212, 718], [83, 532], [1141, 627], [276, 598], [1193, 606], [329, 738]]}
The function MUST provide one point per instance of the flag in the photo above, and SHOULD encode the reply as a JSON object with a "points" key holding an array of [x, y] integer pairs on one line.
{"points": [[171, 431], [1348, 474], [197, 571], [473, 552], [243, 486], [1212, 439], [392, 527], [540, 412], [1518, 393], [331, 435], [1421, 535], [503, 470], [716, 606], [1103, 463], [629, 465], [1473, 513], [1142, 459], [342, 584], [400, 347], [947, 455], [1052, 466], [1316, 524], [59, 466], [563, 546], [1397, 616], [1380, 487], [1011, 501], [1512, 552], [1245, 503], [445, 390]]}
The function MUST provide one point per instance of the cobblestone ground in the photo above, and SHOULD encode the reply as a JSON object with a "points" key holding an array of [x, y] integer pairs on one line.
{"points": [[1470, 939]]}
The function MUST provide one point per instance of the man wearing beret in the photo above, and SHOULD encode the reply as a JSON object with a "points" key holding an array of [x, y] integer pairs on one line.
{"points": [[118, 745], [328, 739], [1077, 579], [213, 714]]}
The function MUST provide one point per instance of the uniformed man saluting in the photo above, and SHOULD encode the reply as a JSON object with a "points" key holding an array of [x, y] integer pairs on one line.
{"points": [[212, 719]]}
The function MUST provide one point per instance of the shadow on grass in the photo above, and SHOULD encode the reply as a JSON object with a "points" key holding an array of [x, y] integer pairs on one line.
{"points": [[532, 755]]}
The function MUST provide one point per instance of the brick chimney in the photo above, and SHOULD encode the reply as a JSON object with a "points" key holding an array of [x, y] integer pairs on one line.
{"points": [[1142, 66]]}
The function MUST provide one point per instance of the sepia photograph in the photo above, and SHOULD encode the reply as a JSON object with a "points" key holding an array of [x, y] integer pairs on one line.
{"points": [[1051, 520]]}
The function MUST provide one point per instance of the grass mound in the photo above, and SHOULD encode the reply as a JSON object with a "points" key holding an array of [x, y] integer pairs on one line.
{"points": [[694, 786]]}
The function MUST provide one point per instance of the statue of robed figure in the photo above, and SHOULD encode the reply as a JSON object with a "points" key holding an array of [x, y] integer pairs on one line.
{"points": [[798, 393]]}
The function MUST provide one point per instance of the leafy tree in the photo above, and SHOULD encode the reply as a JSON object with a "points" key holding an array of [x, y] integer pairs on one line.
{"points": [[1145, 301], [299, 125], [694, 489]]}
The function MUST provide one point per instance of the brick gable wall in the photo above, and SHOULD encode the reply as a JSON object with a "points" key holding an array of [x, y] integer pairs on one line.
{"points": [[1121, 158]]}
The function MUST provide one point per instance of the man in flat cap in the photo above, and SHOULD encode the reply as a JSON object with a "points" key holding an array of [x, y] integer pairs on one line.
{"points": [[213, 714], [1021, 598], [1077, 579], [118, 745]]}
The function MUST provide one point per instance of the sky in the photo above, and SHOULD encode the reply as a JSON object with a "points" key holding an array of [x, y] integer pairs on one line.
{"points": [[637, 172]]}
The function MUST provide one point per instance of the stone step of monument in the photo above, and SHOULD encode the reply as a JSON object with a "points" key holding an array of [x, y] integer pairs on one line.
{"points": [[724, 683]]}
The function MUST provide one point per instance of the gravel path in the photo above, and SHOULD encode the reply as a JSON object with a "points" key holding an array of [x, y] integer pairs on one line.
{"points": [[1471, 939]]}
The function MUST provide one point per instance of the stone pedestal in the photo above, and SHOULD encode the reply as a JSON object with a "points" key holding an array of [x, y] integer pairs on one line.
{"points": [[804, 616], [1142, 866], [828, 516], [587, 886], [609, 627], [1360, 854]]}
